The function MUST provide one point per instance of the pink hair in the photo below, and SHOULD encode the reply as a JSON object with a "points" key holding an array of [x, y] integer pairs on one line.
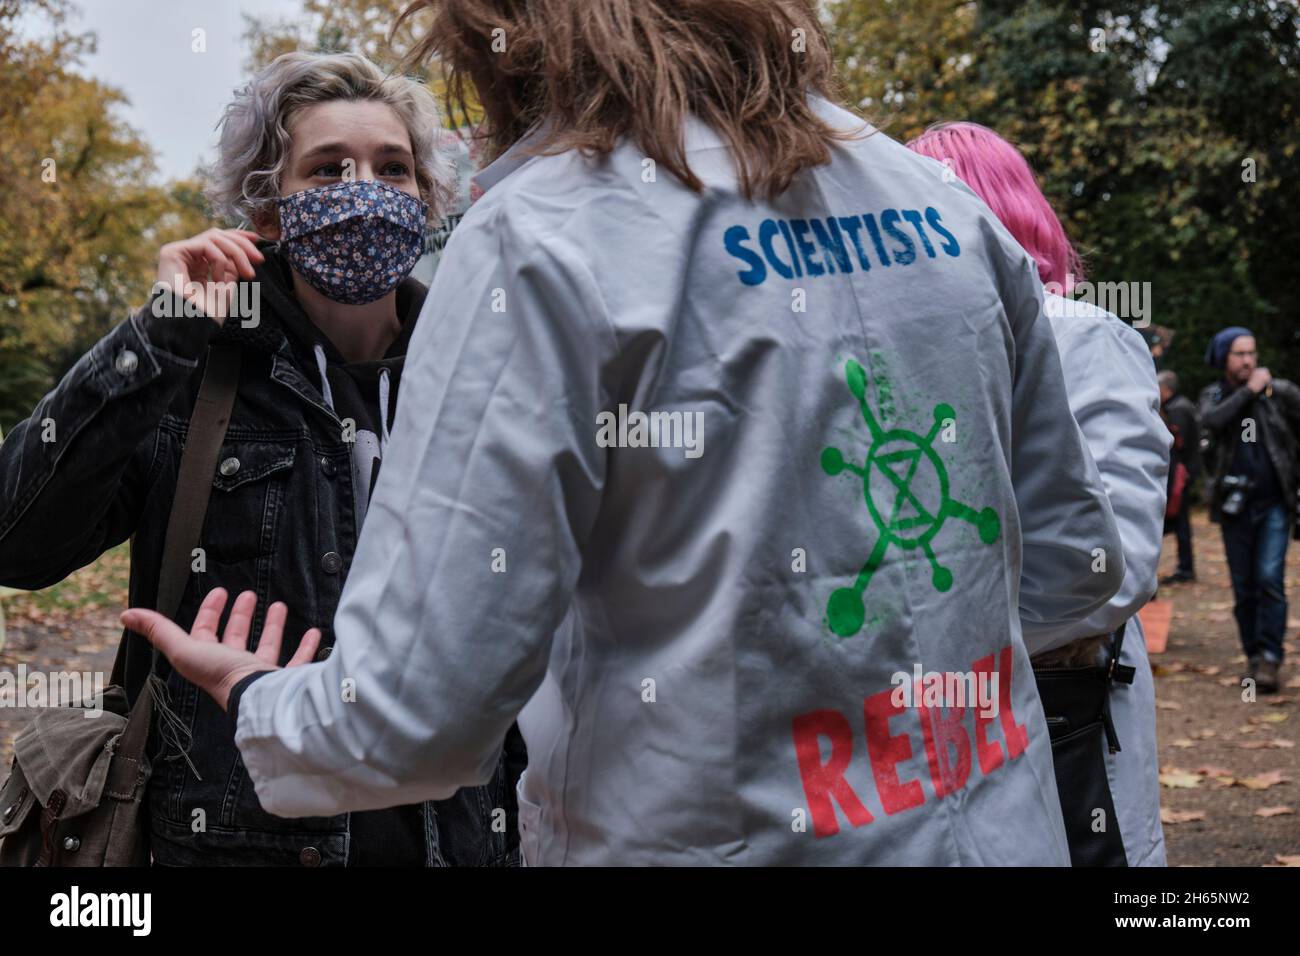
{"points": [[997, 172]]}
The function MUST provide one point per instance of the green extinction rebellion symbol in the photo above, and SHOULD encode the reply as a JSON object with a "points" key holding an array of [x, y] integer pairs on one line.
{"points": [[903, 473]]}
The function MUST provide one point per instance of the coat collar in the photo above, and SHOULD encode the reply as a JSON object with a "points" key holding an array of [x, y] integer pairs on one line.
{"points": [[696, 134], [516, 156]]}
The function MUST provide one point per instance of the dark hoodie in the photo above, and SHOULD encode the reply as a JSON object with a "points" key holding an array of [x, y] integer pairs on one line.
{"points": [[364, 393]]}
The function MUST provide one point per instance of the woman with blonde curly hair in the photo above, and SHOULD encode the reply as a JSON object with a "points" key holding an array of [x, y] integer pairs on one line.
{"points": [[332, 168]]}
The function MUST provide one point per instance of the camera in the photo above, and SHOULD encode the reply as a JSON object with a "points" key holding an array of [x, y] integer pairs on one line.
{"points": [[1236, 487]]}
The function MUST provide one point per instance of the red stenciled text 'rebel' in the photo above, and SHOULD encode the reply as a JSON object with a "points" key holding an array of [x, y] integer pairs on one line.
{"points": [[948, 748]]}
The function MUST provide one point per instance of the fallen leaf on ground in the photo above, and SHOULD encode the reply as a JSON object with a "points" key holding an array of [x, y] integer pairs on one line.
{"points": [[1168, 705], [1174, 777], [1287, 860], [1169, 816], [1262, 781], [1183, 742], [1273, 811], [1276, 718]]}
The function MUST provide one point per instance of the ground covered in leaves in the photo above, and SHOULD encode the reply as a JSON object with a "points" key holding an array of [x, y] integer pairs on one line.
{"points": [[1229, 764], [71, 626]]}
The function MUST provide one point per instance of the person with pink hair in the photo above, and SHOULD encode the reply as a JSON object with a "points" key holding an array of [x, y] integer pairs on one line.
{"points": [[997, 173], [1111, 384]]}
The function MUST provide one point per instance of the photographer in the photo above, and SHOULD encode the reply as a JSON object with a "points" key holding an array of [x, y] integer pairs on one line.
{"points": [[1252, 420]]}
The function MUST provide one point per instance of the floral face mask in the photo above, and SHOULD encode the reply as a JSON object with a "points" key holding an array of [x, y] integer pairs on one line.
{"points": [[353, 241]]}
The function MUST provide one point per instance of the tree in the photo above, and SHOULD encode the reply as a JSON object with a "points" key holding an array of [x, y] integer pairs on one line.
{"points": [[1139, 118], [331, 26], [358, 26], [83, 219]]}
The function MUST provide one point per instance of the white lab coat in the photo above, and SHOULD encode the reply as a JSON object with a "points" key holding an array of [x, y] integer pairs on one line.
{"points": [[669, 614], [1111, 382]]}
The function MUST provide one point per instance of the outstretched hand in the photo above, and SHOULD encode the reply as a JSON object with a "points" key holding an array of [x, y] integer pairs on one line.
{"points": [[216, 664]]}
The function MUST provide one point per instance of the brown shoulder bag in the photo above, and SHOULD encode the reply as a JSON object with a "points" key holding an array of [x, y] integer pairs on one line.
{"points": [[75, 793]]}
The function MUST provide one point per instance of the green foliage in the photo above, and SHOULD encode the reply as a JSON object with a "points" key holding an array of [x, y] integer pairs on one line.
{"points": [[332, 26], [360, 26], [82, 217], [1141, 119]]}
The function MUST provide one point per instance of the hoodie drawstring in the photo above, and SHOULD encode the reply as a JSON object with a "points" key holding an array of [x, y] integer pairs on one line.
{"points": [[328, 395], [383, 412], [324, 379]]}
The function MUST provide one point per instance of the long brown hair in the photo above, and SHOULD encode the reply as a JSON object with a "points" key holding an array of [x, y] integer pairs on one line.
{"points": [[600, 70]]}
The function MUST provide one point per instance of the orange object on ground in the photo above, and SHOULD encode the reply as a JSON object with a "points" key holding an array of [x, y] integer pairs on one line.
{"points": [[1156, 616]]}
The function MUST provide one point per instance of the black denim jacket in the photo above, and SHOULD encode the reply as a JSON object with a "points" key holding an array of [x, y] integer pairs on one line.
{"points": [[96, 464]]}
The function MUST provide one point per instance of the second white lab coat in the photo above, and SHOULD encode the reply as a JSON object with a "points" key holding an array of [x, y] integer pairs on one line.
{"points": [[1111, 383]]}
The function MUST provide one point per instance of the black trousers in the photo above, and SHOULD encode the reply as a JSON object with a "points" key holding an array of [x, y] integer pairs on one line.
{"points": [[1182, 523]]}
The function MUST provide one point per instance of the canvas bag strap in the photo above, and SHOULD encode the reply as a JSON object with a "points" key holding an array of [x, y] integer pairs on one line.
{"points": [[203, 441]]}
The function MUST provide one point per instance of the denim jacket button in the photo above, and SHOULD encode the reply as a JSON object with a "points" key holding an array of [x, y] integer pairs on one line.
{"points": [[330, 563], [72, 844], [310, 856], [229, 467], [126, 362], [323, 652], [328, 467]]}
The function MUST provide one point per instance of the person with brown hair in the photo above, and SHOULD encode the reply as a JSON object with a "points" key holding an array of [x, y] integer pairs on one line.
{"points": [[731, 425]]}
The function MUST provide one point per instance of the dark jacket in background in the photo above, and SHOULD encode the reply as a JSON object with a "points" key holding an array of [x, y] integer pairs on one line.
{"points": [[1180, 416], [1276, 412]]}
